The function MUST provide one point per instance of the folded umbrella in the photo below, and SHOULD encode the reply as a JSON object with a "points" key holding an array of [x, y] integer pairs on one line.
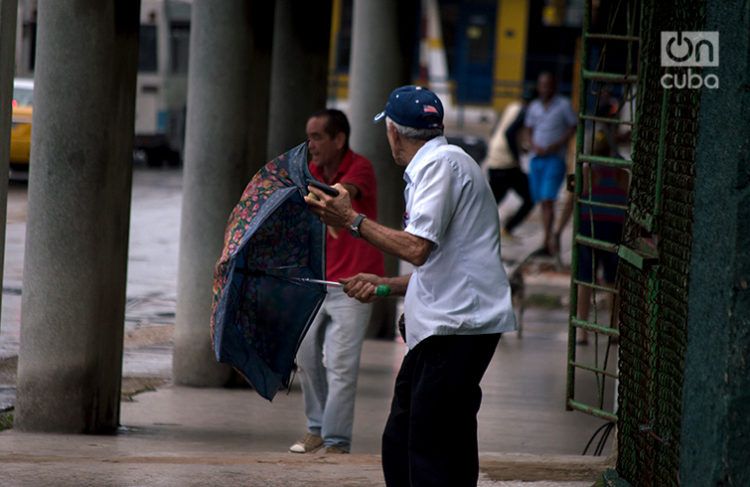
{"points": [[264, 293]]}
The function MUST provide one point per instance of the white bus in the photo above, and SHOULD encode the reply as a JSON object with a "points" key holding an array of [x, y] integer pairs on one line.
{"points": [[161, 95], [162, 81]]}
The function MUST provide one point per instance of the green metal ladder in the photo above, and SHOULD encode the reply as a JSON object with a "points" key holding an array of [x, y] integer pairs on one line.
{"points": [[591, 83]]}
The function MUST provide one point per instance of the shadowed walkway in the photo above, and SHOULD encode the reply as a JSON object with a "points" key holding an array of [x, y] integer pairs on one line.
{"points": [[184, 436], [181, 436]]}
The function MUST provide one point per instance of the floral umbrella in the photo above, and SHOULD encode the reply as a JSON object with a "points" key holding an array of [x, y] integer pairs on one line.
{"points": [[261, 306]]}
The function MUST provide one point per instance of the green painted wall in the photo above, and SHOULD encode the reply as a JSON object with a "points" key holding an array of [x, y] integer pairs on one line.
{"points": [[715, 438]]}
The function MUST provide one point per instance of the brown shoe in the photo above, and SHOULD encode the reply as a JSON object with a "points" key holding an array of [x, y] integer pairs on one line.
{"points": [[307, 444], [335, 450]]}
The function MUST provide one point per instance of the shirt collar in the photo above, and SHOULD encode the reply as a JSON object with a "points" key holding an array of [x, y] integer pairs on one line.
{"points": [[346, 162], [420, 158]]}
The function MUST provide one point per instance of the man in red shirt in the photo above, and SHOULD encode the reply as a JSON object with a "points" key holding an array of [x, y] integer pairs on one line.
{"points": [[328, 357]]}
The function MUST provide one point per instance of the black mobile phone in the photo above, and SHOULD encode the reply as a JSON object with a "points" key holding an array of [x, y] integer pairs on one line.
{"points": [[323, 187]]}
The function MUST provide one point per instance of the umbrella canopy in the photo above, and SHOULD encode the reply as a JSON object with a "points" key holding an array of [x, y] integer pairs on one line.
{"points": [[260, 311]]}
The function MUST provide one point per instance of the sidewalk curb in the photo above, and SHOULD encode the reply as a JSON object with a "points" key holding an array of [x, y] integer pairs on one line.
{"points": [[528, 467], [495, 466]]}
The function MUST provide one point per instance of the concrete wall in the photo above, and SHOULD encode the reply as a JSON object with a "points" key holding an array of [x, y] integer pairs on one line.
{"points": [[716, 393]]}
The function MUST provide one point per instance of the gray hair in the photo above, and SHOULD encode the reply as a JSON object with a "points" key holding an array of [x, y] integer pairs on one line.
{"points": [[412, 133]]}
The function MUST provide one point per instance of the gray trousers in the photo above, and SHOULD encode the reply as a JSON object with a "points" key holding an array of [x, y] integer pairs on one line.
{"points": [[328, 361]]}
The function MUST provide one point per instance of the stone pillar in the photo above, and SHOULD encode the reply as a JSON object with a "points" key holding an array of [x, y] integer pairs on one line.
{"points": [[299, 74], [383, 36], [73, 306], [8, 14], [216, 144]]}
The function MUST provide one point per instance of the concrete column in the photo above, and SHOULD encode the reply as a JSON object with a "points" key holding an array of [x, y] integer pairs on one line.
{"points": [[73, 305], [382, 43], [8, 14], [215, 173], [299, 73], [261, 17]]}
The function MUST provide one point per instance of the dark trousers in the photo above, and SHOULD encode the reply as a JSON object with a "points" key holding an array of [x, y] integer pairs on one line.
{"points": [[501, 180], [430, 438]]}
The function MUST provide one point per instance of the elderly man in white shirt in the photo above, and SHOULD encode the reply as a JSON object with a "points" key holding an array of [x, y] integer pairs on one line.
{"points": [[457, 299]]}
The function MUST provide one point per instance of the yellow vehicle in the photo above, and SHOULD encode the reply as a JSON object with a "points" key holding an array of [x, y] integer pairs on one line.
{"points": [[20, 132]]}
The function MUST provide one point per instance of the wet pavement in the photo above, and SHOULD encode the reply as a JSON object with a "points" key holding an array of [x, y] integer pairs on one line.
{"points": [[152, 261], [183, 436], [187, 436]]}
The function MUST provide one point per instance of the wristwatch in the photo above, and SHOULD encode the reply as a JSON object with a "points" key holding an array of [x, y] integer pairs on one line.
{"points": [[354, 227]]}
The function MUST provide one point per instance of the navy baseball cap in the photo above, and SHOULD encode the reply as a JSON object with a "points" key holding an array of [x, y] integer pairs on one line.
{"points": [[413, 106]]}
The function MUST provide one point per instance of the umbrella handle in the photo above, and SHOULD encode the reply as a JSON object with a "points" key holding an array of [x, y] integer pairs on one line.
{"points": [[383, 290]]}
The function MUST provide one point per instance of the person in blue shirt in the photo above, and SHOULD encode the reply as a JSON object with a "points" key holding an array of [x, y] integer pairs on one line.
{"points": [[457, 300], [551, 122]]}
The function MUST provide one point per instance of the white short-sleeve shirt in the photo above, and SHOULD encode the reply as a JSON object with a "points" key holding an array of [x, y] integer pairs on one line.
{"points": [[462, 288]]}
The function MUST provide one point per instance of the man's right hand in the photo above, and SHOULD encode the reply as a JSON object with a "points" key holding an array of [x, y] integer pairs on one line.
{"points": [[334, 211], [362, 287]]}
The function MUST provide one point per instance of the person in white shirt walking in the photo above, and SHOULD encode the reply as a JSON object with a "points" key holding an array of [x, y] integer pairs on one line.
{"points": [[457, 299], [503, 162]]}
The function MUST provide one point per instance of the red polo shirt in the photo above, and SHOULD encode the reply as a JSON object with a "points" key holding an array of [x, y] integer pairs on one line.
{"points": [[346, 255]]}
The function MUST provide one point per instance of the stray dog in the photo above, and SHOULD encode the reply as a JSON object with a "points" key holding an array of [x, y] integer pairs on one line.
{"points": [[517, 296], [517, 293]]}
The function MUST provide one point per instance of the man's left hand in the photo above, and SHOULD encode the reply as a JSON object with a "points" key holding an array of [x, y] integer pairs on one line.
{"points": [[334, 211]]}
